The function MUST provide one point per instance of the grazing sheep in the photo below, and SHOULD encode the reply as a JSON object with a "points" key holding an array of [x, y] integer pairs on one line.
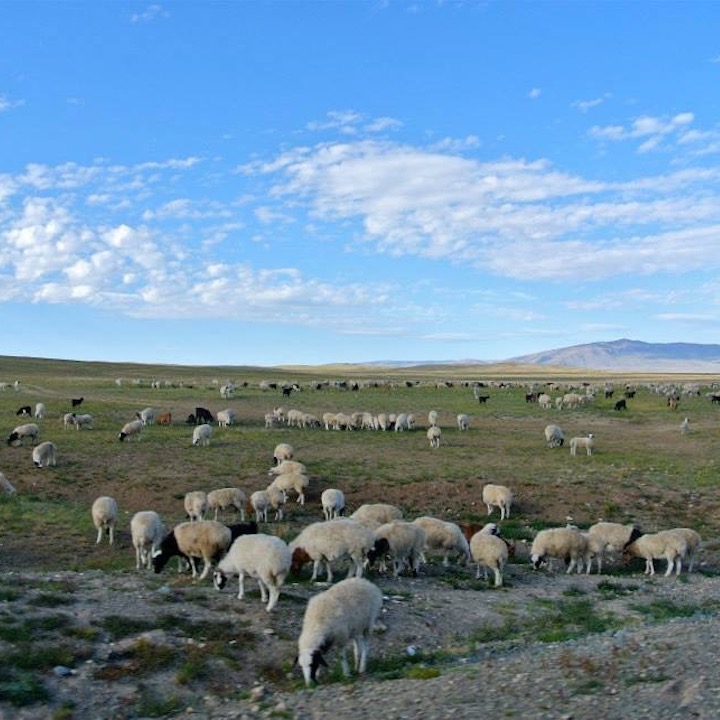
{"points": [[489, 552], [433, 417], [226, 498], [283, 451], [554, 436], [206, 539], [667, 544], [82, 420], [226, 417], [401, 423], [6, 485], [196, 504], [561, 543], [297, 482], [39, 411], [433, 435], [405, 546], [463, 421], [44, 454], [264, 557], [374, 514], [333, 503], [615, 536], [18, 435], [288, 466], [444, 536], [146, 529], [271, 498], [582, 442], [147, 416], [344, 613], [693, 540], [201, 434], [164, 419], [498, 496], [133, 428], [25, 410], [203, 416], [104, 515], [327, 542]]}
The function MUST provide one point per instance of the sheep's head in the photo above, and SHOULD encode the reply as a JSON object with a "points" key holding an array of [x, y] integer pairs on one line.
{"points": [[300, 556], [219, 579]]}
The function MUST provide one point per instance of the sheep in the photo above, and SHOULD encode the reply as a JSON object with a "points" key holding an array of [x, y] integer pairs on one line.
{"points": [[196, 504], [18, 435], [401, 423], [445, 536], [271, 498], [133, 428], [545, 401], [405, 545], [104, 513], [207, 539], [44, 454], [288, 466], [6, 485], [693, 540], [463, 421], [225, 498], [685, 427], [332, 540], [333, 503], [164, 419], [433, 417], [283, 451], [433, 435], [374, 514], [39, 413], [489, 551], [562, 543], [25, 410], [264, 557], [76, 402], [203, 416], [621, 404], [147, 415], [667, 544], [582, 442], [226, 417], [498, 496], [554, 436], [614, 536], [146, 529], [297, 482], [201, 434], [82, 420], [596, 549], [68, 420], [344, 613]]}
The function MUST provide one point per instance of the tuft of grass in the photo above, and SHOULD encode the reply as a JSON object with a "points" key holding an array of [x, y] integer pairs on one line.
{"points": [[154, 704], [660, 610], [21, 688]]}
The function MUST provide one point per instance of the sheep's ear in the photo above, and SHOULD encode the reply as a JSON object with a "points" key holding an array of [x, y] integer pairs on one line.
{"points": [[156, 553]]}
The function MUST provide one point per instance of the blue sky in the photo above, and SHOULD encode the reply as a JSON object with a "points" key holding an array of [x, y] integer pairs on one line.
{"points": [[274, 183]]}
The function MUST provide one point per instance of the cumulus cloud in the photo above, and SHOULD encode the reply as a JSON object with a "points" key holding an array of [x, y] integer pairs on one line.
{"points": [[650, 130]]}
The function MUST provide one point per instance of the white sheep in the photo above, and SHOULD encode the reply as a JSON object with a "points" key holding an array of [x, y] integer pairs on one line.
{"points": [[82, 420], [615, 536], [401, 423], [39, 411], [327, 542], [685, 427], [563, 542], [104, 513], [374, 514], [295, 482], [582, 442], [489, 552], [44, 454], [405, 545], [343, 614], [271, 498], [206, 539], [68, 420], [433, 417], [444, 536], [226, 417], [666, 544], [264, 557], [283, 451], [288, 466], [693, 540], [6, 485], [146, 529], [499, 496], [225, 499], [18, 435], [147, 416], [333, 503], [434, 433], [133, 428], [554, 436], [463, 421], [596, 549], [196, 504], [201, 434]]}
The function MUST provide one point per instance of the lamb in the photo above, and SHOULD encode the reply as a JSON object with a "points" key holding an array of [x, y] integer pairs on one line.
{"points": [[405, 545], [146, 529], [562, 543], [264, 557], [582, 442], [39, 411], [269, 499], [133, 428], [104, 515], [201, 434], [326, 542], [196, 504], [554, 436], [667, 544], [18, 435], [6, 485], [344, 613], [463, 421], [297, 482], [226, 498], [226, 417], [489, 551], [44, 454], [207, 539], [433, 435], [288, 466], [374, 514], [283, 451], [498, 496], [333, 503], [445, 536]]}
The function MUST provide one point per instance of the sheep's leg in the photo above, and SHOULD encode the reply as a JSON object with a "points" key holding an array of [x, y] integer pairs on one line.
{"points": [[274, 597], [241, 585], [344, 661], [263, 591], [498, 577], [329, 571], [99, 535], [111, 534], [477, 572], [361, 648]]}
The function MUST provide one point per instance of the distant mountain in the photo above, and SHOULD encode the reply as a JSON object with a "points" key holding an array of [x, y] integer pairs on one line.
{"points": [[631, 355]]}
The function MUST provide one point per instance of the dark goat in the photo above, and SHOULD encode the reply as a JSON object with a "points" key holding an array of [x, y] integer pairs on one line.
{"points": [[621, 405], [483, 398], [203, 415], [24, 410], [76, 402]]}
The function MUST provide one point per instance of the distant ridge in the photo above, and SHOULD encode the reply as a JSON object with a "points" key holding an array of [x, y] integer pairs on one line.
{"points": [[631, 355]]}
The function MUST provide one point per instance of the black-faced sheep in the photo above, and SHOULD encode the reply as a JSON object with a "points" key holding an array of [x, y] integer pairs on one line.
{"points": [[18, 435], [133, 428], [561, 543]]}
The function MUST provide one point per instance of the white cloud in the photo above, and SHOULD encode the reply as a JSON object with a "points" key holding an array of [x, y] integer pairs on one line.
{"points": [[535, 93], [585, 105], [151, 12], [7, 104], [651, 130]]}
